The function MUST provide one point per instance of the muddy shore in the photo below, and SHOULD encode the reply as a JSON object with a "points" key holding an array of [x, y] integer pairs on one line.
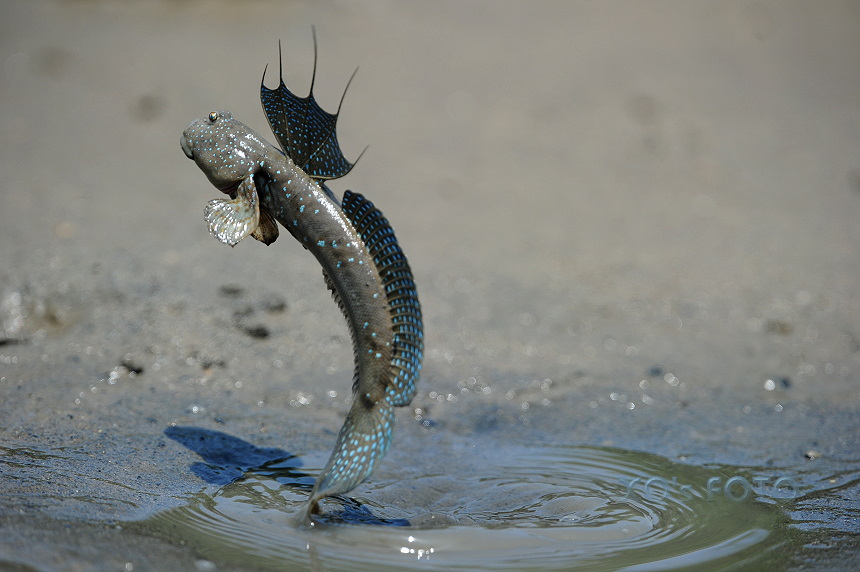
{"points": [[632, 226]]}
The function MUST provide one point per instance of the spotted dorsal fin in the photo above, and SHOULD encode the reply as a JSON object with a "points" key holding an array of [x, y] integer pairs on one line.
{"points": [[306, 132], [400, 292]]}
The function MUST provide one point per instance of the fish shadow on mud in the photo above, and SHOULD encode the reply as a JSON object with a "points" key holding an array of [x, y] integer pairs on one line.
{"points": [[227, 459]]}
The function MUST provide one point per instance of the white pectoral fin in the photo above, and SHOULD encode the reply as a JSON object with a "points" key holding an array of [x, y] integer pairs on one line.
{"points": [[232, 220]]}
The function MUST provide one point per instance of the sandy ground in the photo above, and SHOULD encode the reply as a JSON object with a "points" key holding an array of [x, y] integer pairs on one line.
{"points": [[632, 224]]}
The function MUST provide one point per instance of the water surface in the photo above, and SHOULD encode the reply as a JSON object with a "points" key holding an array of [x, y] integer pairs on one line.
{"points": [[532, 507]]}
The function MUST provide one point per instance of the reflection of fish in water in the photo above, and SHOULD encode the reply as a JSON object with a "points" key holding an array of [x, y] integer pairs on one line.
{"points": [[362, 262]]}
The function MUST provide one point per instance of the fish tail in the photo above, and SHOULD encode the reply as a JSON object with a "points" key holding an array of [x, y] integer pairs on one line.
{"points": [[366, 434], [362, 442]]}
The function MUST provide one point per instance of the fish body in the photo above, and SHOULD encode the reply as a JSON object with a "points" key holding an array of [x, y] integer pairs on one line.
{"points": [[362, 262]]}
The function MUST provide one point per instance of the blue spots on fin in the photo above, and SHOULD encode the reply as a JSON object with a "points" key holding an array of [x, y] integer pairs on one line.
{"points": [[362, 442], [400, 292], [305, 131]]}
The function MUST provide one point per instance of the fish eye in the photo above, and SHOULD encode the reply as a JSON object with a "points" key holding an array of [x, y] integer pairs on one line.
{"points": [[213, 116]]}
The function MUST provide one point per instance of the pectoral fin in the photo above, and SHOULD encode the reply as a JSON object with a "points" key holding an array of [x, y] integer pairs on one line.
{"points": [[232, 220]]}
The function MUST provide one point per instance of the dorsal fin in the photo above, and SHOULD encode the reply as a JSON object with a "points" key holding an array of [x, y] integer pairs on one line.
{"points": [[400, 292], [304, 130]]}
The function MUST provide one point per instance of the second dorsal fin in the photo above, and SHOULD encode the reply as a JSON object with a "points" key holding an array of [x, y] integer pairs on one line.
{"points": [[400, 292], [304, 130]]}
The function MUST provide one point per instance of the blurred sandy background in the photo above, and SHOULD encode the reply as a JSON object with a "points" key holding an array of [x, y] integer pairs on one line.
{"points": [[599, 194]]}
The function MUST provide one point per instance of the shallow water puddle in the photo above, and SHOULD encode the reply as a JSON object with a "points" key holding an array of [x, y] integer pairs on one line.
{"points": [[537, 507]]}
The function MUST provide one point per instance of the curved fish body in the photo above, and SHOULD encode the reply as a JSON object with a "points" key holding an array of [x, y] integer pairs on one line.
{"points": [[361, 260]]}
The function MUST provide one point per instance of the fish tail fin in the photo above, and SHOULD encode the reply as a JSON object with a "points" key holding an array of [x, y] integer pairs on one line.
{"points": [[362, 442]]}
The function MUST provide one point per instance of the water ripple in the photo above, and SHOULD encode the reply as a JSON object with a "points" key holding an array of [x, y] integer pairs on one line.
{"points": [[539, 508]]}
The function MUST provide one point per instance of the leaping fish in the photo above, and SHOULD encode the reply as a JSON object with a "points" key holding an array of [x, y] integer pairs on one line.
{"points": [[362, 262]]}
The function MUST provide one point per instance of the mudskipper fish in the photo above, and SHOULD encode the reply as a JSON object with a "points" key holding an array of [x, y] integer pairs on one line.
{"points": [[362, 262]]}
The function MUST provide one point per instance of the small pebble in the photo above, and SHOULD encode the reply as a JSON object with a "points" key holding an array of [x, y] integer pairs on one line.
{"points": [[259, 332], [655, 371], [231, 291], [205, 565]]}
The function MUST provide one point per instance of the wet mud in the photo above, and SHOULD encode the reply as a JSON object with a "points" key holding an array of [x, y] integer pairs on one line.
{"points": [[634, 233]]}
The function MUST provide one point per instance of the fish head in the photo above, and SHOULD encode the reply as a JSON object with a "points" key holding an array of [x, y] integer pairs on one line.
{"points": [[226, 150]]}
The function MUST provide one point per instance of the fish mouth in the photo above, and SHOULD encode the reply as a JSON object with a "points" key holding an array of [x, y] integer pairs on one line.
{"points": [[186, 147]]}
